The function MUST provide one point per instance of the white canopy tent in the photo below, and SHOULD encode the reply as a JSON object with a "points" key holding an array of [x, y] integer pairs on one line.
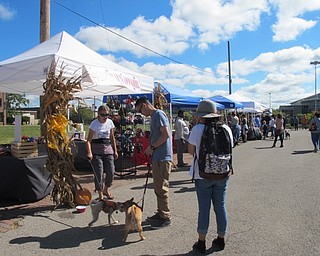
{"points": [[249, 105], [25, 73]]}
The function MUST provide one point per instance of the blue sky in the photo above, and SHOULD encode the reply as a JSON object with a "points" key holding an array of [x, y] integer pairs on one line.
{"points": [[272, 41]]}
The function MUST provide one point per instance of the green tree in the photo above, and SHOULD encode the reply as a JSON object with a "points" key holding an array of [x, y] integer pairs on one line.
{"points": [[81, 115], [13, 102]]}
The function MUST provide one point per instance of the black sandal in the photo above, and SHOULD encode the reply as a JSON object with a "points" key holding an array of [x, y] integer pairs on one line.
{"points": [[109, 195]]}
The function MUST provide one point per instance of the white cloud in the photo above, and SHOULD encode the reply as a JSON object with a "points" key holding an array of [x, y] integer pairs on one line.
{"points": [[291, 60], [217, 20], [34, 100], [210, 93], [200, 24], [288, 75], [192, 23], [163, 35], [290, 22], [6, 13], [283, 88]]}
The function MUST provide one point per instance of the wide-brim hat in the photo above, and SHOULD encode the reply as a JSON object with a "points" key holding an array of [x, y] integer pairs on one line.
{"points": [[206, 109]]}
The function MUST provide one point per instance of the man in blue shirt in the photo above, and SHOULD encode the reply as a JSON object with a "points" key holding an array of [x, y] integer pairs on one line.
{"points": [[160, 150]]}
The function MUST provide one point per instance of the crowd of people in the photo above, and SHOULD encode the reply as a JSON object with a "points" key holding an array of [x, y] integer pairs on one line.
{"points": [[266, 125], [102, 151]]}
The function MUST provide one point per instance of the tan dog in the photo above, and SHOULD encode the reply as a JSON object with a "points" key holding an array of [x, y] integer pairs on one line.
{"points": [[133, 219]]}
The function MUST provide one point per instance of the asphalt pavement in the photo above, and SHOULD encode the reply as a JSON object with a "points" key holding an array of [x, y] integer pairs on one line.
{"points": [[272, 200]]}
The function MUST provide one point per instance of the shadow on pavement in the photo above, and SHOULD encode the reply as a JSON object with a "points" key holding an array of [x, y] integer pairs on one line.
{"points": [[269, 147], [177, 184], [72, 237], [301, 152], [18, 211]]}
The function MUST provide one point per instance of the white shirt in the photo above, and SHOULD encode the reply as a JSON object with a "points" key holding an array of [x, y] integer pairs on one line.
{"points": [[181, 130], [101, 130], [195, 139], [271, 123]]}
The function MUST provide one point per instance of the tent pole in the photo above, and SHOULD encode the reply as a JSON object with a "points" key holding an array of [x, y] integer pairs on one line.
{"points": [[229, 69], [170, 121]]}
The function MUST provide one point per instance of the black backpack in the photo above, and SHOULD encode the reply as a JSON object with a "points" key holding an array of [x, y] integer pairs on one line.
{"points": [[215, 153]]}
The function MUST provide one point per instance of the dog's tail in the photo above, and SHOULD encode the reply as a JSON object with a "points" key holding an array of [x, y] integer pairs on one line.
{"points": [[133, 212]]}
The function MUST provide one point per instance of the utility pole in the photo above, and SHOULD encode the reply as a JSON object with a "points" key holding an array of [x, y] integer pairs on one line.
{"points": [[229, 68], [315, 63], [44, 20], [44, 36]]}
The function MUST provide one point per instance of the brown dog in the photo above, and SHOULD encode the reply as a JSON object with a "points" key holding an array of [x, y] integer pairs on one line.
{"points": [[133, 219]]}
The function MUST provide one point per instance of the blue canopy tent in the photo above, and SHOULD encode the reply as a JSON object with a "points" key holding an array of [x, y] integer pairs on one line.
{"points": [[179, 97], [227, 103], [175, 96]]}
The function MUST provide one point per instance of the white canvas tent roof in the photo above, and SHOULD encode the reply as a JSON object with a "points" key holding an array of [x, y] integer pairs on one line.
{"points": [[25, 73], [249, 105]]}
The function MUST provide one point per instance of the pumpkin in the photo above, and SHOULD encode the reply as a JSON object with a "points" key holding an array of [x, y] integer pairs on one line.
{"points": [[83, 197]]}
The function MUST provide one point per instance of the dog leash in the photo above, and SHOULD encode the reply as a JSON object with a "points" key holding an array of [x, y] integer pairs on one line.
{"points": [[145, 186], [94, 174]]}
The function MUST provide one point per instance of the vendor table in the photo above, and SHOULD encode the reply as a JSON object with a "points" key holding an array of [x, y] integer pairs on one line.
{"points": [[25, 179]]}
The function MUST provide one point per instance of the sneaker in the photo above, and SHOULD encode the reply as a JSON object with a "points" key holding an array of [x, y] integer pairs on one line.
{"points": [[183, 165], [154, 218], [162, 223], [219, 242], [200, 246]]}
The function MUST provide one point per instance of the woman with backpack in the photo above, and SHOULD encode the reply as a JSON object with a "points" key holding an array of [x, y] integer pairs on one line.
{"points": [[213, 188]]}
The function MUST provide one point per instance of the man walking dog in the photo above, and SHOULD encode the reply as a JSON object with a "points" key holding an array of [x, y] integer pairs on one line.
{"points": [[160, 150]]}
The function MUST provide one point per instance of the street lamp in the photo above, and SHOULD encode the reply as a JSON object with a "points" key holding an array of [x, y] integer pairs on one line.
{"points": [[270, 100], [315, 63]]}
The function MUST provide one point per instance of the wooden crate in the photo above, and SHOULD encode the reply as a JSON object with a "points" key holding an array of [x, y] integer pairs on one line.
{"points": [[25, 149]]}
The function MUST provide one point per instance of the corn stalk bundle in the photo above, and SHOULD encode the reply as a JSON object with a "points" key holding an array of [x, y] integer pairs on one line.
{"points": [[58, 91], [160, 101]]}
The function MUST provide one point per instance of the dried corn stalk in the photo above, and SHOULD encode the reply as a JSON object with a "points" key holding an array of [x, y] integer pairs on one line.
{"points": [[60, 163], [160, 101]]}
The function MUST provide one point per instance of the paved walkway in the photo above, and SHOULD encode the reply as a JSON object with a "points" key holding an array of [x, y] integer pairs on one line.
{"points": [[12, 213], [272, 200]]}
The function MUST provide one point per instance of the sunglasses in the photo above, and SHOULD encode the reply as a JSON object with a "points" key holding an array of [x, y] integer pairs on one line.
{"points": [[103, 115]]}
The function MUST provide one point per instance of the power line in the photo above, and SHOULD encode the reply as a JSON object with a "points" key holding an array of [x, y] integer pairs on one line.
{"points": [[104, 22], [133, 42]]}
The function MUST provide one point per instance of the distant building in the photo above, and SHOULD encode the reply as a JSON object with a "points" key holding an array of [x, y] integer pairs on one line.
{"points": [[32, 112], [302, 106]]}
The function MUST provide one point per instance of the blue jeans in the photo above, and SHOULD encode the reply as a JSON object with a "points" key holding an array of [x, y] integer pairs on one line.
{"points": [[315, 137], [212, 191], [236, 129]]}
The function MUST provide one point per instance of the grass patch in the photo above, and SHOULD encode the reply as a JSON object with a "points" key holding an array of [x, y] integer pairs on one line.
{"points": [[7, 132]]}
